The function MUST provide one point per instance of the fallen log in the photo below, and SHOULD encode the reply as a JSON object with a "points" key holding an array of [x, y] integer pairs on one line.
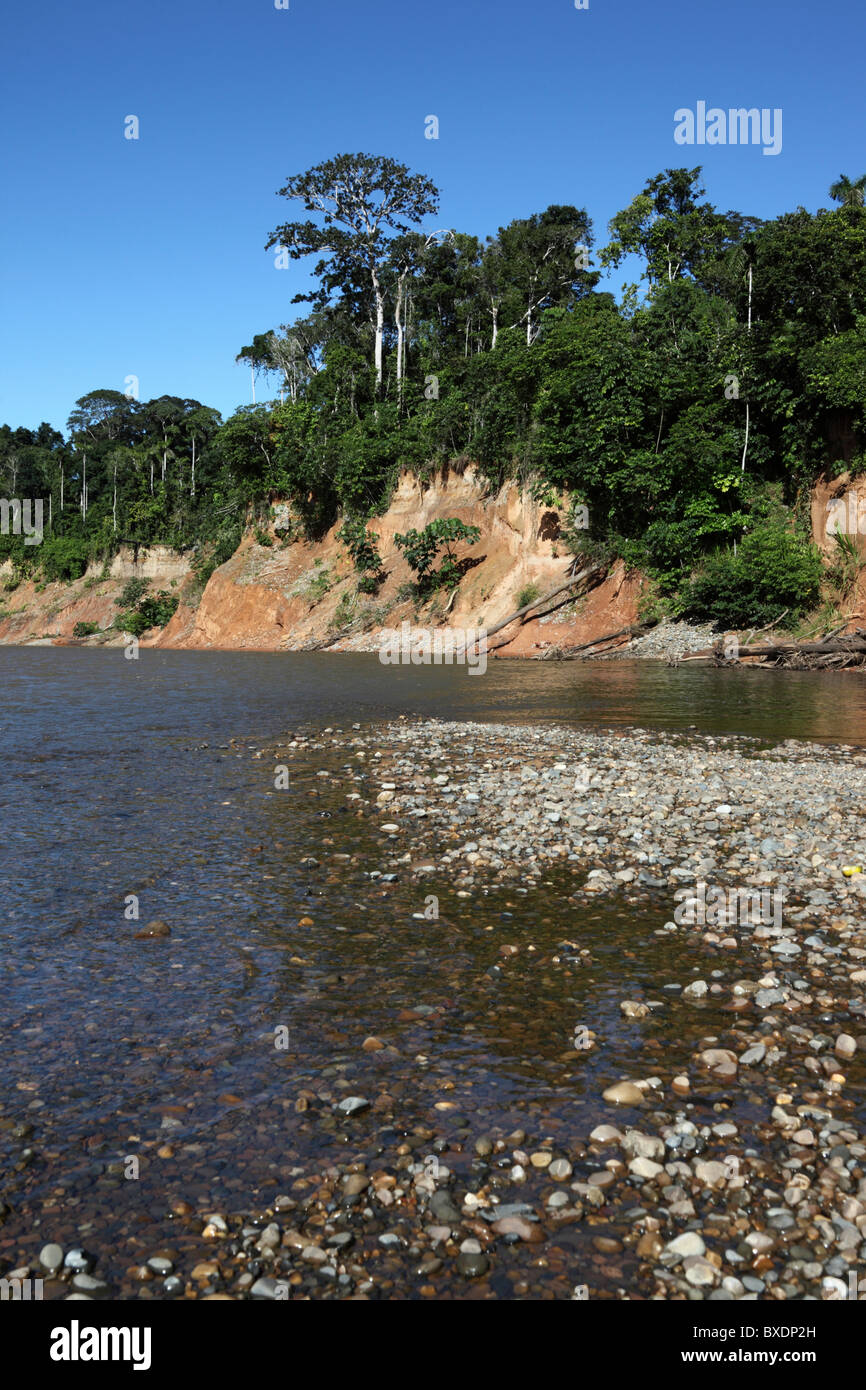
{"points": [[633, 630], [836, 644], [580, 578], [831, 652]]}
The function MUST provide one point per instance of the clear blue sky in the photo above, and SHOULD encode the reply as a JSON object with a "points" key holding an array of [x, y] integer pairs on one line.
{"points": [[146, 257]]}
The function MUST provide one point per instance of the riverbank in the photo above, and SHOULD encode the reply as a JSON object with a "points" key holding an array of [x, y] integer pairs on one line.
{"points": [[731, 1162], [549, 1070], [282, 591]]}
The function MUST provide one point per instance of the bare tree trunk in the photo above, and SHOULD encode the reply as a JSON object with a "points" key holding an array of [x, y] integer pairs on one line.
{"points": [[380, 326], [746, 444], [398, 320]]}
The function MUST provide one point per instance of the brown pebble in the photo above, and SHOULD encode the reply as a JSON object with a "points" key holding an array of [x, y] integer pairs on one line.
{"points": [[155, 928]]}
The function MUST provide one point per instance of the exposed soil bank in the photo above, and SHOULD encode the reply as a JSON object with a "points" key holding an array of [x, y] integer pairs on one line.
{"points": [[292, 596], [303, 594], [35, 613]]}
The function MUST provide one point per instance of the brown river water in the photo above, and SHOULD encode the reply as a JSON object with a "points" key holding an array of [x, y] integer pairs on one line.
{"points": [[121, 778]]}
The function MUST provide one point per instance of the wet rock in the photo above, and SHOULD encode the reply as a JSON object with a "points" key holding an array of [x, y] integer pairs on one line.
{"points": [[269, 1288], [156, 928], [78, 1259], [720, 1061], [643, 1145], [93, 1288], [632, 1009], [353, 1105], [696, 990], [689, 1243], [623, 1093], [472, 1265], [443, 1208]]}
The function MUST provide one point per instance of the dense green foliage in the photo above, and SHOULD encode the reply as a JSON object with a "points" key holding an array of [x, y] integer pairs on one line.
{"points": [[734, 375], [128, 472], [773, 572]]}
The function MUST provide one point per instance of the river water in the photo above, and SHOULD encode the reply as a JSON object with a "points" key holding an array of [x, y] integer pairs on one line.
{"points": [[127, 779]]}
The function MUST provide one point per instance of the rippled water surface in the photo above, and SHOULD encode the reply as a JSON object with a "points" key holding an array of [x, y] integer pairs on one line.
{"points": [[139, 778]]}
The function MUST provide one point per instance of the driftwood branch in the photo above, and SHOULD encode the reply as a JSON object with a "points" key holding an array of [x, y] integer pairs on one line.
{"points": [[580, 578], [775, 623], [832, 651], [567, 653]]}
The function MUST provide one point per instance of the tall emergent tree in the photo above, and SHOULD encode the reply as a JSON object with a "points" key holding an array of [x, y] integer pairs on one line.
{"points": [[365, 202]]}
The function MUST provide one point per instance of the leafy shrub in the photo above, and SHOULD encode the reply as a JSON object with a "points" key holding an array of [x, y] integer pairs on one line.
{"points": [[774, 569], [85, 629], [344, 613], [319, 585], [361, 545], [132, 593], [422, 547], [214, 553], [263, 537], [847, 564], [155, 610], [158, 608]]}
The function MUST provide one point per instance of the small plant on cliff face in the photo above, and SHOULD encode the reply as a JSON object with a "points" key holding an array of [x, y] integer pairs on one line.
{"points": [[211, 554], [316, 588], [132, 593], [85, 629], [263, 537], [344, 613], [527, 594], [422, 547], [361, 545], [843, 573]]}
